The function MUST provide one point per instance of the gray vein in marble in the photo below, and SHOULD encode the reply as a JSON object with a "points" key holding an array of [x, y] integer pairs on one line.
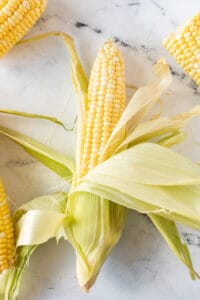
{"points": [[162, 11], [120, 41], [134, 3], [146, 50], [191, 239], [20, 163], [190, 82], [156, 4], [81, 24]]}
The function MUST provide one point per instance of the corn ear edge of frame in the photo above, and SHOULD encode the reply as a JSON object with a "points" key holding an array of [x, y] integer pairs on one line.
{"points": [[17, 17], [184, 46], [7, 234]]}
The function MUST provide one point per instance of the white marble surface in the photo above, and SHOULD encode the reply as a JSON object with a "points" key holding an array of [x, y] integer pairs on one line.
{"points": [[35, 78]]}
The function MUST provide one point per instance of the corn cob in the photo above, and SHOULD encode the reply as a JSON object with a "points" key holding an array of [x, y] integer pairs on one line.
{"points": [[184, 45], [106, 102], [99, 222], [7, 241], [16, 18]]}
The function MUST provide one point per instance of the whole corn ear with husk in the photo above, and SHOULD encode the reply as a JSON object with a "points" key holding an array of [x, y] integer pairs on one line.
{"points": [[184, 46], [122, 162], [99, 222], [17, 17]]}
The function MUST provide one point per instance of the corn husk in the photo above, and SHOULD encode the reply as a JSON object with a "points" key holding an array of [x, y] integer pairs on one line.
{"points": [[97, 228], [60, 164], [138, 173]]}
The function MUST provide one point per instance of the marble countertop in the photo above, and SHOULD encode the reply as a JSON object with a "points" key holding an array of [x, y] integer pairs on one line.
{"points": [[35, 78]]}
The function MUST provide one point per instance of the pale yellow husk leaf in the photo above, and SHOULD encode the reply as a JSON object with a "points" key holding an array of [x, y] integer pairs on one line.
{"points": [[140, 104]]}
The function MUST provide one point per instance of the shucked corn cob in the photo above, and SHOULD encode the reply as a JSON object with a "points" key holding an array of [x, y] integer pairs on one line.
{"points": [[16, 18], [106, 101], [99, 222], [184, 45], [7, 242]]}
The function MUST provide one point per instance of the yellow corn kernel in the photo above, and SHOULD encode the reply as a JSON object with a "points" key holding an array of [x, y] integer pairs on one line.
{"points": [[16, 18], [7, 241], [106, 101], [184, 45]]}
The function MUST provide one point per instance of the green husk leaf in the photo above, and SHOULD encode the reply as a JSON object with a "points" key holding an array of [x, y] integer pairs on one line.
{"points": [[78, 75], [54, 204], [60, 164], [33, 116], [140, 104], [79, 81], [98, 227], [170, 233], [148, 164]]}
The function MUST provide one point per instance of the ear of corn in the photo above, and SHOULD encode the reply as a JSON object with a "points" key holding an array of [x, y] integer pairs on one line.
{"points": [[106, 102], [99, 222], [7, 241], [184, 45], [16, 18]]}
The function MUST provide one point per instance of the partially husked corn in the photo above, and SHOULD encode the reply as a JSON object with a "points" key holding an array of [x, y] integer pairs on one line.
{"points": [[106, 102], [7, 240], [99, 222], [16, 18], [184, 45]]}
